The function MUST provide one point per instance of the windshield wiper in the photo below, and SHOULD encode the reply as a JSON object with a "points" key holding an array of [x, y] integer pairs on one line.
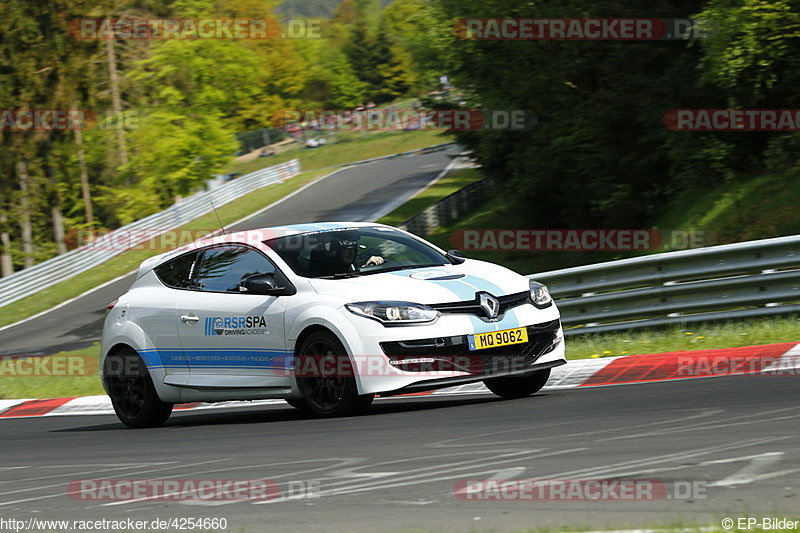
{"points": [[342, 275], [395, 269], [357, 273]]}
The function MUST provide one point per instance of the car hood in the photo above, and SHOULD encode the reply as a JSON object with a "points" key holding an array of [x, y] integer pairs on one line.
{"points": [[427, 285]]}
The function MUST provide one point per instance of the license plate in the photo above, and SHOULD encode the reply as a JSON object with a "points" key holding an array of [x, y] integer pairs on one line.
{"points": [[493, 339]]}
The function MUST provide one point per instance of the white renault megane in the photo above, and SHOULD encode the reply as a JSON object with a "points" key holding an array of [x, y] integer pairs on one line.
{"points": [[324, 316]]}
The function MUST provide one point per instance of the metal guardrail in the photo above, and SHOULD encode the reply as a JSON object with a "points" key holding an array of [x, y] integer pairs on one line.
{"points": [[62, 267], [742, 280]]}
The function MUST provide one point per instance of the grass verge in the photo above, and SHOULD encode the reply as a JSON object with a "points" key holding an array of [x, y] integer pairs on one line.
{"points": [[756, 207], [53, 386], [444, 187], [349, 147], [701, 337], [772, 330], [745, 209]]}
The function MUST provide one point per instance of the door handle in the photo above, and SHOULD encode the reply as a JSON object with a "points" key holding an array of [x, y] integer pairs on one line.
{"points": [[189, 319]]}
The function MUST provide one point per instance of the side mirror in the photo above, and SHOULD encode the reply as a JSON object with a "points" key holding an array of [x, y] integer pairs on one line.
{"points": [[263, 284], [456, 256]]}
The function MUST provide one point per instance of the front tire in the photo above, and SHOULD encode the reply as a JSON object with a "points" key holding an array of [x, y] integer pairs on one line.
{"points": [[326, 379], [132, 392], [512, 387], [297, 403]]}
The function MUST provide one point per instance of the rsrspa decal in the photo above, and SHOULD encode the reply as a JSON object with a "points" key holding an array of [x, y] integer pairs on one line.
{"points": [[236, 325]]}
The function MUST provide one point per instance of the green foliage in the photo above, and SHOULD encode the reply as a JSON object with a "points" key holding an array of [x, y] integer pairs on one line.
{"points": [[180, 101], [751, 45], [172, 155], [383, 66], [600, 155], [331, 82], [418, 29], [203, 75]]}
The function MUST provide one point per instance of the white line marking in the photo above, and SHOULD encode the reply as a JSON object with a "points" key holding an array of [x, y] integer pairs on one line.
{"points": [[740, 420], [433, 474], [234, 468], [618, 469], [426, 478], [103, 468], [61, 494], [751, 472], [391, 206], [506, 473]]}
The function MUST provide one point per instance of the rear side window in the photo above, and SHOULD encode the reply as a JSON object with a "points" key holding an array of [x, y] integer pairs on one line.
{"points": [[223, 268], [179, 272]]}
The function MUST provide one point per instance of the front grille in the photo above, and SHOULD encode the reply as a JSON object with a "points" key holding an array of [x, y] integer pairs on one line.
{"points": [[473, 307], [453, 353]]}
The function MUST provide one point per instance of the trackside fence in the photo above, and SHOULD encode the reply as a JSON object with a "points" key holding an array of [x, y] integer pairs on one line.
{"points": [[451, 208], [48, 273], [742, 280]]}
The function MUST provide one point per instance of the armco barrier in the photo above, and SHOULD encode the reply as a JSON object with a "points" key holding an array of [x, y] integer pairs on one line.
{"points": [[74, 262], [742, 280]]}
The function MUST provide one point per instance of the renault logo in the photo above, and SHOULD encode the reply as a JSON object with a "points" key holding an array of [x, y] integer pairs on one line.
{"points": [[489, 304]]}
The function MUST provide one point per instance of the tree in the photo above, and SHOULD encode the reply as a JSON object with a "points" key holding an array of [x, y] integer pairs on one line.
{"points": [[414, 27], [599, 155]]}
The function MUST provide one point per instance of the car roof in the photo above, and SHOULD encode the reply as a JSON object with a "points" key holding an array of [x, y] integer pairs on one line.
{"points": [[249, 237]]}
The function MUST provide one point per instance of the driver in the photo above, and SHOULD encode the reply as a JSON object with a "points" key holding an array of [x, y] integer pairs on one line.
{"points": [[348, 250]]}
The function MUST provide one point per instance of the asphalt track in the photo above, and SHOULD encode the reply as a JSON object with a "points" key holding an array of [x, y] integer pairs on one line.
{"points": [[394, 468], [355, 194]]}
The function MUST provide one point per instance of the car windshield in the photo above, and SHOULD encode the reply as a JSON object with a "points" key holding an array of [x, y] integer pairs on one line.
{"points": [[351, 252]]}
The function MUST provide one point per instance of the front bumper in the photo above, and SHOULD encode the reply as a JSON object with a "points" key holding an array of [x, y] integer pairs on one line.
{"points": [[453, 353], [405, 359]]}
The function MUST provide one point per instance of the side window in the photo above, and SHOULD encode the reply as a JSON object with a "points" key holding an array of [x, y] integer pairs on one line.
{"points": [[223, 268], [178, 272]]}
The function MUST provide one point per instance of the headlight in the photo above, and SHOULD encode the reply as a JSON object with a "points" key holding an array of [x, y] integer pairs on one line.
{"points": [[540, 296], [394, 313]]}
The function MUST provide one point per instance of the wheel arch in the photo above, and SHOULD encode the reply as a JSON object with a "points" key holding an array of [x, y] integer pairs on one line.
{"points": [[341, 335], [166, 393], [309, 330]]}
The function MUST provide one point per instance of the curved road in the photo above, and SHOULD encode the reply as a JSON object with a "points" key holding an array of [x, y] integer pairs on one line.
{"points": [[359, 193], [731, 440]]}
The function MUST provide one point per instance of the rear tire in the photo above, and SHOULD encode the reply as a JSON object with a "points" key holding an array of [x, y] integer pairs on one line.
{"points": [[132, 393], [326, 378], [512, 387]]}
